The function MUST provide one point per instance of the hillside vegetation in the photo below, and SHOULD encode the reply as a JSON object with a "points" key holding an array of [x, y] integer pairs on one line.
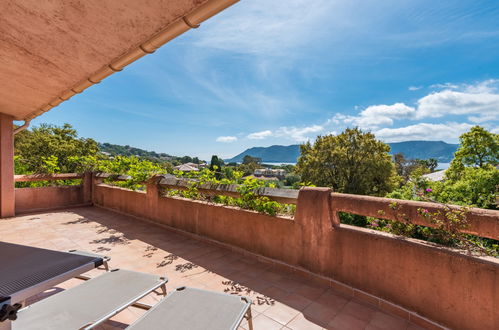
{"points": [[119, 150]]}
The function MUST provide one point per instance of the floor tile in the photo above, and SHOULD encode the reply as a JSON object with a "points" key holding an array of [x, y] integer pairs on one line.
{"points": [[281, 300]]}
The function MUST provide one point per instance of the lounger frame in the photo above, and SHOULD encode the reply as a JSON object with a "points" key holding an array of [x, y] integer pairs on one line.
{"points": [[159, 288], [244, 314], [132, 302]]}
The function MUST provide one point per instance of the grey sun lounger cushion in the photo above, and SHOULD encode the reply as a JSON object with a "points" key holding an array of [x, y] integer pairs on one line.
{"points": [[89, 303], [26, 269], [193, 309]]}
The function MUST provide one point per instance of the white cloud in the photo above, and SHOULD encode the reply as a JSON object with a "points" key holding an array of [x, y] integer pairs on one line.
{"points": [[266, 27], [479, 102], [449, 102], [299, 134], [414, 88], [226, 139], [485, 86], [260, 135], [423, 131], [375, 116], [444, 86], [483, 118]]}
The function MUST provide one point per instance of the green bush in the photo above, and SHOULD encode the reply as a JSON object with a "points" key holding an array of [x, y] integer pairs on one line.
{"points": [[246, 188]]}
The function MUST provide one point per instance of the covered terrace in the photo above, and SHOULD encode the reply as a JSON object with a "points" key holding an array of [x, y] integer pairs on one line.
{"points": [[306, 272]]}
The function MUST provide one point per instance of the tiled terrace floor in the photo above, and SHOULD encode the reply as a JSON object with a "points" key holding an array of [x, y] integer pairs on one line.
{"points": [[281, 300]]}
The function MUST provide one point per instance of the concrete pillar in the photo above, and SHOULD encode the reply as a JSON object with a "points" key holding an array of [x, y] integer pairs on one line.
{"points": [[314, 216], [95, 182], [7, 197], [152, 196], [87, 183]]}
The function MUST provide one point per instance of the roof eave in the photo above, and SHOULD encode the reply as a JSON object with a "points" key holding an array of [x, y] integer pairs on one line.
{"points": [[189, 21]]}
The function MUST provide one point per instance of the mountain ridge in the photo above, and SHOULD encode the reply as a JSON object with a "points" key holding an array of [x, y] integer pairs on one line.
{"points": [[126, 150], [440, 150]]}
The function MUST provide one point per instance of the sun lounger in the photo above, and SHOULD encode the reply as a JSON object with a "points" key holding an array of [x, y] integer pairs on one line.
{"points": [[105, 259], [27, 271], [90, 303], [193, 309]]}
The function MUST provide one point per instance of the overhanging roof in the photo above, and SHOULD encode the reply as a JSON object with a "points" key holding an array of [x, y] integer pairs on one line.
{"points": [[51, 50]]}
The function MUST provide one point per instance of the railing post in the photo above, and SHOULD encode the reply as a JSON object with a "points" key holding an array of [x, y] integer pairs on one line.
{"points": [[7, 192], [87, 183], [152, 193], [95, 182], [314, 216]]}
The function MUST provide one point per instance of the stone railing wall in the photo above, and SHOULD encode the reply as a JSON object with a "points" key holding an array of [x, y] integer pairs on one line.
{"points": [[52, 197], [415, 279]]}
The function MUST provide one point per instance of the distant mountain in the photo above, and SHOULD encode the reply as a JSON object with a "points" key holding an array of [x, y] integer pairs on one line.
{"points": [[443, 152], [272, 154]]}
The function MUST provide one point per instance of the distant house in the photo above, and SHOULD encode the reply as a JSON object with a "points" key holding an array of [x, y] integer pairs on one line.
{"points": [[186, 167], [192, 164], [269, 173], [202, 165], [262, 178], [435, 176]]}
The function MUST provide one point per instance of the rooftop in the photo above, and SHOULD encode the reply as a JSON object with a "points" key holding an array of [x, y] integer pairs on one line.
{"points": [[435, 176], [282, 299]]}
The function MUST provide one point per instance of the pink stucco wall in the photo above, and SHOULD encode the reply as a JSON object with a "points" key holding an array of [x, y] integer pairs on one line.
{"points": [[443, 285], [47, 198]]}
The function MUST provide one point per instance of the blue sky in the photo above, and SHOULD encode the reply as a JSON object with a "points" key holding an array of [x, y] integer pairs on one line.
{"points": [[282, 72]]}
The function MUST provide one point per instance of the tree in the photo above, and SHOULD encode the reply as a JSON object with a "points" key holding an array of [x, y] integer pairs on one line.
{"points": [[215, 161], [478, 148], [249, 159], [292, 180], [50, 148], [351, 162], [400, 164], [186, 159], [430, 163], [476, 186], [216, 166], [406, 168]]}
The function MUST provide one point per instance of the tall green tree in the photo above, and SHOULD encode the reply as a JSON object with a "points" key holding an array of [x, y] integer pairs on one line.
{"points": [[478, 148], [216, 166], [215, 161], [50, 148], [476, 186], [351, 162]]}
